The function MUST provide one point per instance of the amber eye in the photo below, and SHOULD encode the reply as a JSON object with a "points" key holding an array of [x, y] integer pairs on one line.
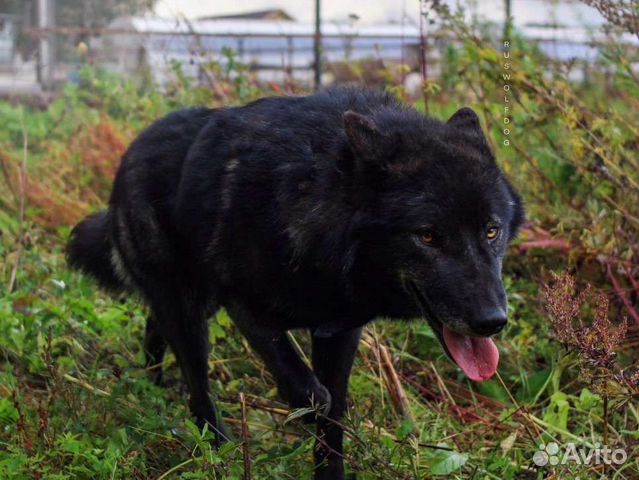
{"points": [[426, 238], [492, 233]]}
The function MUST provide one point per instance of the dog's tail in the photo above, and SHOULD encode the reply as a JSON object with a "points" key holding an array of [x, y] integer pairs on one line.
{"points": [[90, 249]]}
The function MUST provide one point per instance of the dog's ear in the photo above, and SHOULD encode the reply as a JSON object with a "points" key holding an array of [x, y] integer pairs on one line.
{"points": [[465, 119], [363, 135]]}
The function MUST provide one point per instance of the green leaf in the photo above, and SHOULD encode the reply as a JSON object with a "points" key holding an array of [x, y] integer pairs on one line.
{"points": [[223, 319], [405, 429], [532, 387], [8, 413], [446, 462], [588, 400], [297, 413], [493, 389], [426, 331], [216, 331], [558, 410], [112, 315]]}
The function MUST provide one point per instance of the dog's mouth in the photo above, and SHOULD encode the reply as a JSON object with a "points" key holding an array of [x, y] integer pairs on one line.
{"points": [[478, 357]]}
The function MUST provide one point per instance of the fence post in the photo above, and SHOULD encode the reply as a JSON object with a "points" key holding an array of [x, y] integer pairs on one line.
{"points": [[318, 46], [423, 50], [46, 62], [508, 25]]}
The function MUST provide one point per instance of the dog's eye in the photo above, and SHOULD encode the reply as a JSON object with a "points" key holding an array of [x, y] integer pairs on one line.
{"points": [[492, 233], [426, 238]]}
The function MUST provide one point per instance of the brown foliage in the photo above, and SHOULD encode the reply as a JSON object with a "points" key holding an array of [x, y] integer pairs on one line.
{"points": [[594, 342], [100, 148], [54, 209], [65, 186]]}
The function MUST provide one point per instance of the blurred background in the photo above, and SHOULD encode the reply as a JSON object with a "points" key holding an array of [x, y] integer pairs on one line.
{"points": [[556, 86], [43, 43]]}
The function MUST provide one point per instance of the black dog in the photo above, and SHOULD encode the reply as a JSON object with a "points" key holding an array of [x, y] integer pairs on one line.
{"points": [[321, 212]]}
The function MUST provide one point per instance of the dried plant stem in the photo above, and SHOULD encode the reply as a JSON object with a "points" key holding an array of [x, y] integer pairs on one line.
{"points": [[377, 368], [392, 380], [393, 384], [22, 180], [245, 439], [605, 419], [298, 348], [605, 425], [442, 385], [258, 404], [87, 386], [175, 468], [519, 408]]}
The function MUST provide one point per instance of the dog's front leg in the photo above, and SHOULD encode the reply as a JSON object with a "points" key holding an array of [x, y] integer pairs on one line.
{"points": [[296, 382], [332, 361]]}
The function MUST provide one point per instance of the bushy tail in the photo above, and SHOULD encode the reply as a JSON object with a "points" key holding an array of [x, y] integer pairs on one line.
{"points": [[89, 250]]}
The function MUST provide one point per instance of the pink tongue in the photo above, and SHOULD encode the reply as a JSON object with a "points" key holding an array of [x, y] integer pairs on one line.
{"points": [[477, 357]]}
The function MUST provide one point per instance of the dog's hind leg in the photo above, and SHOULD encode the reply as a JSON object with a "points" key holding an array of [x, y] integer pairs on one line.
{"points": [[154, 348], [296, 382], [332, 361], [182, 322]]}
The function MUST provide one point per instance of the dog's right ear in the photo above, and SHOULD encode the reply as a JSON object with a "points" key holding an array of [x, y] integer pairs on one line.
{"points": [[363, 135]]}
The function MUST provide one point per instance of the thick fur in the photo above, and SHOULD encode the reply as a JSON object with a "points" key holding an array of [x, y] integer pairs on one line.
{"points": [[303, 212]]}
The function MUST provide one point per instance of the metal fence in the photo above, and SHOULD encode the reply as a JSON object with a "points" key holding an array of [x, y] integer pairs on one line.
{"points": [[274, 51]]}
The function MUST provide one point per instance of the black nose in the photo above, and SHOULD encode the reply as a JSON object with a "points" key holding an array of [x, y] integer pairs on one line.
{"points": [[490, 321]]}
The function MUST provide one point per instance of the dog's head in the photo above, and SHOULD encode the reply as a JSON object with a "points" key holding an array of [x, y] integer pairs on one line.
{"points": [[438, 214]]}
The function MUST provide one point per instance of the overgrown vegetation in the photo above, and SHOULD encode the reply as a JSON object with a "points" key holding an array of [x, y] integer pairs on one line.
{"points": [[76, 403]]}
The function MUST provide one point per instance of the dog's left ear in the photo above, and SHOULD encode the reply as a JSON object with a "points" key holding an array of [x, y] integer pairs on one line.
{"points": [[364, 137], [465, 119]]}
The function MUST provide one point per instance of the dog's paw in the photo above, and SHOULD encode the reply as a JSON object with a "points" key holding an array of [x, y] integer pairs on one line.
{"points": [[312, 395], [320, 398], [216, 426]]}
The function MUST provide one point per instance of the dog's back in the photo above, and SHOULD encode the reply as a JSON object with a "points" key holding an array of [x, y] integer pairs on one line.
{"points": [[113, 245], [217, 196]]}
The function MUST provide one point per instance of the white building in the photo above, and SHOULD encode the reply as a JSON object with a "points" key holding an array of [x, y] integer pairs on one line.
{"points": [[7, 39], [273, 48]]}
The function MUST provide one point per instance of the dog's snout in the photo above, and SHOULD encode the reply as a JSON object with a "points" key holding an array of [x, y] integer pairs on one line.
{"points": [[490, 321]]}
